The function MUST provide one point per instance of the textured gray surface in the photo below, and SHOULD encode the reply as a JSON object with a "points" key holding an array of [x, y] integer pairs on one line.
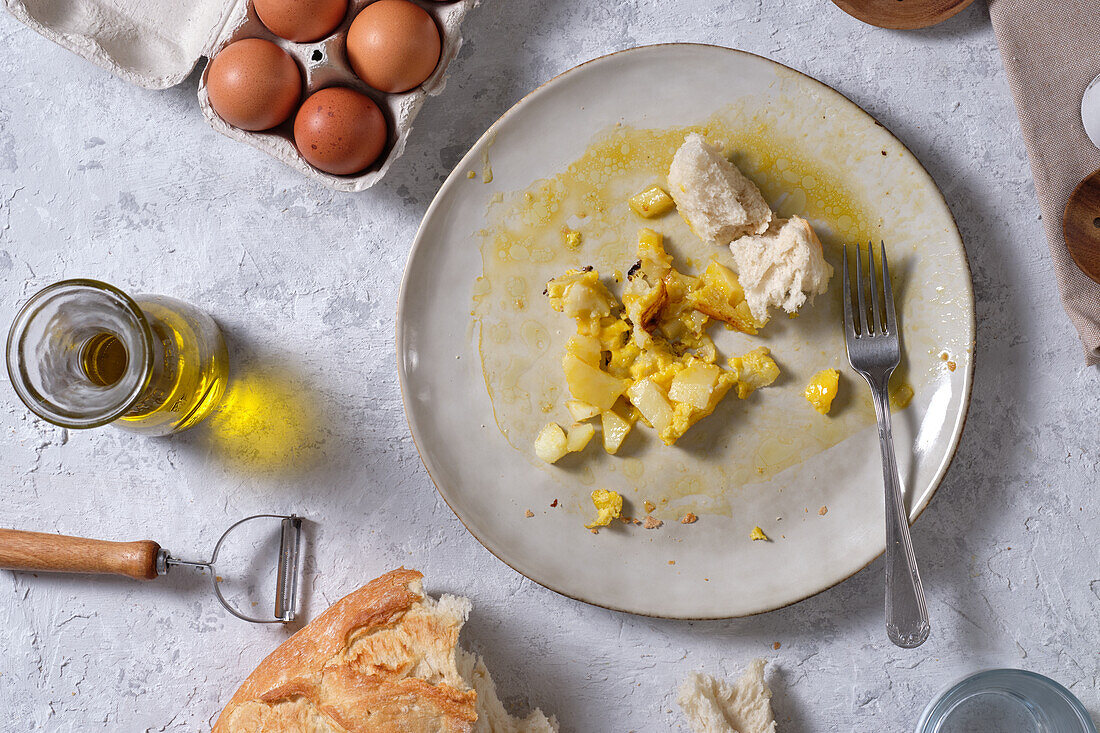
{"points": [[104, 179]]}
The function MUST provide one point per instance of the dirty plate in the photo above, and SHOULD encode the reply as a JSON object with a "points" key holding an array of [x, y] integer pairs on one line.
{"points": [[479, 349]]}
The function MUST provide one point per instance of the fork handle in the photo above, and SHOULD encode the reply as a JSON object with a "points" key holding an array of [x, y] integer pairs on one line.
{"points": [[906, 613]]}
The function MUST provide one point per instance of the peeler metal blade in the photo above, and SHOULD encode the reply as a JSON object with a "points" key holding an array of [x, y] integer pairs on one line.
{"points": [[286, 593]]}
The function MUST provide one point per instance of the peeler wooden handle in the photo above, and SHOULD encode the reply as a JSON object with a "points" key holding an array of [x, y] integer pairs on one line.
{"points": [[61, 554]]}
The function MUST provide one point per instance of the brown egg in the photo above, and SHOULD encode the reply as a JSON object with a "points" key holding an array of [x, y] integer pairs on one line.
{"points": [[301, 20], [253, 84], [340, 131], [393, 45]]}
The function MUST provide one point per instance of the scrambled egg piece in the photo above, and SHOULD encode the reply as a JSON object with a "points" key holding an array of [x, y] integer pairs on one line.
{"points": [[609, 505], [757, 534], [570, 238], [649, 357], [822, 389], [754, 370]]}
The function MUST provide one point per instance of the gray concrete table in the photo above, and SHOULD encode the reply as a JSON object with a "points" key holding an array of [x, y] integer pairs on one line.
{"points": [[99, 178]]}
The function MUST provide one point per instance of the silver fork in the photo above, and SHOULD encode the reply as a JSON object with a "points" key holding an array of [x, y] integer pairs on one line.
{"points": [[874, 351]]}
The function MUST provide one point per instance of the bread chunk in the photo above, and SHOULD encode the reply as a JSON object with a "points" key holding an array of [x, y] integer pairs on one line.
{"points": [[715, 199], [385, 659], [715, 706], [781, 267]]}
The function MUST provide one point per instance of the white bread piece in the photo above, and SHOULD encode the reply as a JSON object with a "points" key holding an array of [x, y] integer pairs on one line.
{"points": [[713, 197], [715, 706], [781, 267], [491, 716], [384, 658]]}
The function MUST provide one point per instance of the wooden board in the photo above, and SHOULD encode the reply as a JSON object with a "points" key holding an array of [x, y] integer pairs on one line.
{"points": [[902, 14]]}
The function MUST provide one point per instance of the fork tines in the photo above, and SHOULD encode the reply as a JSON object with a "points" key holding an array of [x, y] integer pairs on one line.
{"points": [[879, 321]]}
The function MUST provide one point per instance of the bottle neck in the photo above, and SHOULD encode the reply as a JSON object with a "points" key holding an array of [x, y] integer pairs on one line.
{"points": [[80, 353]]}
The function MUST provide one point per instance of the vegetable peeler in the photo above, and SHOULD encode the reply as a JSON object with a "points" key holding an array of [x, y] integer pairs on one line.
{"points": [[146, 560]]}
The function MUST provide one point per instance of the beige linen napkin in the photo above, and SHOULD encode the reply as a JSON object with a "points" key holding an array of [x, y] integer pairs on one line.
{"points": [[1051, 51]]}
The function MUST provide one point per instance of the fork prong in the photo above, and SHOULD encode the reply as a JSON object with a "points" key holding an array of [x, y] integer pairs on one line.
{"points": [[861, 285], [849, 324], [891, 319], [876, 304]]}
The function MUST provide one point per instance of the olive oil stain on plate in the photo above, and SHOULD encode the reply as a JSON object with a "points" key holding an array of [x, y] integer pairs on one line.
{"points": [[521, 340]]}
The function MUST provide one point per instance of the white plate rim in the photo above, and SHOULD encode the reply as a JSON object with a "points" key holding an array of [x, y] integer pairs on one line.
{"points": [[467, 162]]}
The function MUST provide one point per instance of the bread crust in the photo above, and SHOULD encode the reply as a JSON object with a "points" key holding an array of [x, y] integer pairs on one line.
{"points": [[378, 660]]}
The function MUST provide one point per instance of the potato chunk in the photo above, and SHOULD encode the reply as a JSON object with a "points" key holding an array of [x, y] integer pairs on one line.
{"points": [[652, 202], [581, 411], [590, 384], [720, 296], [652, 402], [551, 443], [578, 436], [585, 348], [615, 429], [694, 385], [754, 370]]}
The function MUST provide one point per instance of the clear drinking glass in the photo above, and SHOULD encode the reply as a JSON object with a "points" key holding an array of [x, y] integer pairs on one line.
{"points": [[1006, 701], [82, 354]]}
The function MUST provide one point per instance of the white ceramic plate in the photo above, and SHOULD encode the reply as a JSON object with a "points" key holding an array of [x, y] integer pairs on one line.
{"points": [[708, 569]]}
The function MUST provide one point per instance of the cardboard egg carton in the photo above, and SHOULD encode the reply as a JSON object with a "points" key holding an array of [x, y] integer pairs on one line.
{"points": [[156, 45]]}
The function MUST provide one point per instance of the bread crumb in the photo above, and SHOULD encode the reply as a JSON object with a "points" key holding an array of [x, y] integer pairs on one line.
{"points": [[775, 645], [652, 522], [471, 174], [823, 511], [528, 514], [757, 534], [689, 518], [649, 506]]}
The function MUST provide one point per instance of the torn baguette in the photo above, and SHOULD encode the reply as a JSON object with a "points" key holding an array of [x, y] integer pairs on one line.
{"points": [[715, 706], [781, 267], [712, 195], [384, 658]]}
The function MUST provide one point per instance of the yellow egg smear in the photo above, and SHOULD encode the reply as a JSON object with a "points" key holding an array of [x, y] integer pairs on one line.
{"points": [[596, 365], [821, 391]]}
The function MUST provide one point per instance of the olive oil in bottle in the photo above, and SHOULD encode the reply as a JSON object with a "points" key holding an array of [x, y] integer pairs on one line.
{"points": [[82, 353]]}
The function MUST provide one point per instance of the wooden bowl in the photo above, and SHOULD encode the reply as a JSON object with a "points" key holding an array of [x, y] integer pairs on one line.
{"points": [[902, 14], [1081, 226]]}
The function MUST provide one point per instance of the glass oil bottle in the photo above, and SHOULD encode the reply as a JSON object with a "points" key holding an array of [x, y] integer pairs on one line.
{"points": [[82, 354]]}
